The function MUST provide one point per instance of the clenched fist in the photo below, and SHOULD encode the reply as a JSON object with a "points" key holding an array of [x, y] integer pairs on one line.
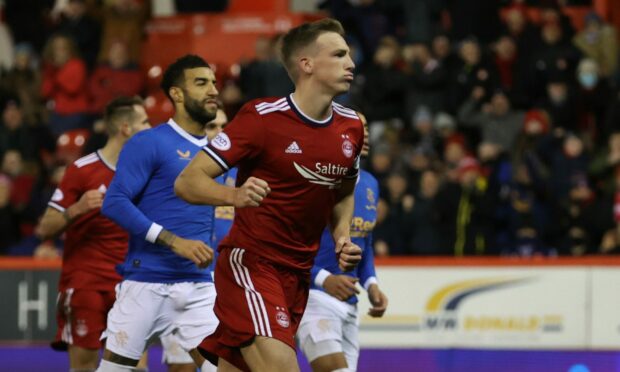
{"points": [[378, 301], [251, 193], [349, 254], [90, 200]]}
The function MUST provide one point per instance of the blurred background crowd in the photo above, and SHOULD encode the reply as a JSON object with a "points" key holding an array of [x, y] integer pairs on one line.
{"points": [[494, 124]]}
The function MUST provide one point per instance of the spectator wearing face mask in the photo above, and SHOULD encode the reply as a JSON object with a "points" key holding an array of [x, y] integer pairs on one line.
{"points": [[593, 99]]}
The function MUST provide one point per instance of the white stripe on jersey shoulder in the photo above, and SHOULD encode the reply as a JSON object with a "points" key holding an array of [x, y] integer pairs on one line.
{"points": [[198, 142], [85, 160], [274, 103], [343, 108], [348, 113], [268, 107], [282, 106]]}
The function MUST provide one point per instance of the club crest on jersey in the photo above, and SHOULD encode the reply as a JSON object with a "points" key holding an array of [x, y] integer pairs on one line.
{"points": [[121, 338], [282, 319], [81, 329], [370, 195], [221, 142], [347, 146]]}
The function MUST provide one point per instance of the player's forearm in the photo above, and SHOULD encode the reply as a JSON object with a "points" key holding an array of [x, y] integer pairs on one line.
{"points": [[196, 187], [341, 217], [119, 208], [166, 238], [52, 224], [342, 213]]}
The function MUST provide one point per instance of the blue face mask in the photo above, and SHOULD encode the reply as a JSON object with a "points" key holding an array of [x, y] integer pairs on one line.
{"points": [[588, 80]]}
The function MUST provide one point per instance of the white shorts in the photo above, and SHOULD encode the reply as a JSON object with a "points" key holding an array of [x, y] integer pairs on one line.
{"points": [[145, 311], [173, 353], [329, 326]]}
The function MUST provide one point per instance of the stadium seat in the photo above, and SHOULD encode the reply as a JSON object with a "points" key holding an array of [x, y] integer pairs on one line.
{"points": [[158, 107], [69, 145]]}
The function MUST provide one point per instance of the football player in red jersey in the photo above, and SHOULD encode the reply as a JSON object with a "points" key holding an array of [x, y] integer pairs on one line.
{"points": [[298, 160], [94, 245]]}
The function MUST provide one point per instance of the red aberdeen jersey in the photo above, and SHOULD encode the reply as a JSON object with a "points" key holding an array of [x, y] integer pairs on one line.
{"points": [[94, 245], [302, 160]]}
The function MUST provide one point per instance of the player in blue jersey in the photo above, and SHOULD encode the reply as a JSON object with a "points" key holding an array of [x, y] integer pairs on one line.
{"points": [[166, 287], [328, 333]]}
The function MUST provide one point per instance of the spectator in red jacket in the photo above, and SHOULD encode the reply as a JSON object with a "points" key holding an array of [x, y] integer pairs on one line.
{"points": [[64, 85], [115, 77]]}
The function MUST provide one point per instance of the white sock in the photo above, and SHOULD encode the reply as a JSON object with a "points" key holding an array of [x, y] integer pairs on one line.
{"points": [[207, 367], [107, 366]]}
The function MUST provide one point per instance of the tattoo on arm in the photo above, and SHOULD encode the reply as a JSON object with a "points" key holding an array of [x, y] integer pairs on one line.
{"points": [[166, 238]]}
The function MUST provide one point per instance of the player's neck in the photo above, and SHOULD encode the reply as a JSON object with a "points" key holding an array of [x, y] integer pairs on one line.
{"points": [[189, 125], [111, 150], [316, 106]]}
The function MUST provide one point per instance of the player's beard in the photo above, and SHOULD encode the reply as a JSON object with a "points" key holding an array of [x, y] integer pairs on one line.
{"points": [[197, 111]]}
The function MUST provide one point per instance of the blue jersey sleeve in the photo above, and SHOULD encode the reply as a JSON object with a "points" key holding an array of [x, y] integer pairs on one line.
{"points": [[314, 272], [325, 258], [367, 273], [366, 268], [136, 162]]}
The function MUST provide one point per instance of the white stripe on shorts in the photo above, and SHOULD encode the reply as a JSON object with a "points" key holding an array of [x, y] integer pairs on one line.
{"points": [[66, 334], [248, 294], [255, 300]]}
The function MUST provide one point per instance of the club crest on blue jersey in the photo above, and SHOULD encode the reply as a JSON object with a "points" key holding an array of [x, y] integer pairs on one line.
{"points": [[370, 195]]}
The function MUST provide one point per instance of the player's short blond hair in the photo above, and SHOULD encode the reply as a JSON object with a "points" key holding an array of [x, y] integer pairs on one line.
{"points": [[303, 35]]}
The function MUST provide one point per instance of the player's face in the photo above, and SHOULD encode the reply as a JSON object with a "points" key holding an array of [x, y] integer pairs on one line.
{"points": [[332, 63], [141, 120], [200, 94], [216, 125]]}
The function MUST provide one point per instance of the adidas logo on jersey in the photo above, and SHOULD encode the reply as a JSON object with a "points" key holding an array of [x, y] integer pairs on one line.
{"points": [[293, 148]]}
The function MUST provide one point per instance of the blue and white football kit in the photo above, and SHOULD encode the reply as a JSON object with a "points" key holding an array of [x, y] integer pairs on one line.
{"points": [[161, 293]]}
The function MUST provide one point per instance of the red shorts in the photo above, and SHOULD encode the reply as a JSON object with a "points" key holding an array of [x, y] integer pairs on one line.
{"points": [[255, 298], [81, 315]]}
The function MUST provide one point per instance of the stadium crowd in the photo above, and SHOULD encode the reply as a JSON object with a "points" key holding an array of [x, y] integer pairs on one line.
{"points": [[494, 125]]}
